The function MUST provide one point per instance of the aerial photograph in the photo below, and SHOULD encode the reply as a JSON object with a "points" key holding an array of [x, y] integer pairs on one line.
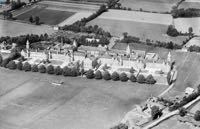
{"points": [[99, 64]]}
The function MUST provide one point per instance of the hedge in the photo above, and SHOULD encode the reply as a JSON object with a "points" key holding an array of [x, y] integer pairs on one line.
{"points": [[58, 70], [115, 76], [42, 69], [123, 77], [34, 68], [50, 69], [27, 67], [90, 74], [98, 75], [133, 78], [106, 76], [20, 65], [141, 79], [12, 65]]}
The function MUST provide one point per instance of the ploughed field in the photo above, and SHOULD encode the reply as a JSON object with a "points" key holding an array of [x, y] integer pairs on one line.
{"points": [[47, 16], [29, 100], [150, 5], [139, 24]]}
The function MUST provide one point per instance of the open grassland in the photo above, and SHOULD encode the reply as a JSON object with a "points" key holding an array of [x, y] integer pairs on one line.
{"points": [[29, 100], [150, 5], [182, 24], [190, 4], [12, 28], [47, 16]]}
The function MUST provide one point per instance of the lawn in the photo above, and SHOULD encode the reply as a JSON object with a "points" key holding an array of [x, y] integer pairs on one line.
{"points": [[150, 5], [35, 103], [47, 16], [12, 28]]}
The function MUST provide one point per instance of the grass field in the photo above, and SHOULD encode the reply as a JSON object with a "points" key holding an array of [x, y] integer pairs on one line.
{"points": [[47, 16], [12, 28], [190, 4], [140, 29], [28, 100], [150, 5]]}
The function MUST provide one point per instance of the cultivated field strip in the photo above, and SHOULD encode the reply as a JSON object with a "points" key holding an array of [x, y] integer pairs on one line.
{"points": [[164, 19]]}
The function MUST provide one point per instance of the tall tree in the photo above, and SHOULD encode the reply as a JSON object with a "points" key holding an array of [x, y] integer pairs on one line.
{"points": [[37, 20]]}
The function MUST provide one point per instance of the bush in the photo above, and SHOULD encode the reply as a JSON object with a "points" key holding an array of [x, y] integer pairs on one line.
{"points": [[172, 31], [34, 68], [50, 69], [197, 115], [123, 77], [150, 80], [90, 74], [141, 79], [133, 78], [66, 71], [12, 65], [5, 62], [42, 69], [115, 76], [19, 65], [106, 76], [155, 112], [94, 63], [58, 70], [27, 67], [98, 75]]}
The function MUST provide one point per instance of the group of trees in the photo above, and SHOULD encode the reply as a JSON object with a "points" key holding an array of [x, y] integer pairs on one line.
{"points": [[149, 42], [90, 74], [7, 15], [172, 31], [16, 5], [185, 100], [22, 39], [80, 26], [34, 19], [189, 12]]}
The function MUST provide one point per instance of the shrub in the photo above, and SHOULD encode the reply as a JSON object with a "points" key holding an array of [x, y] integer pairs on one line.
{"points": [[197, 115], [106, 76], [141, 79], [94, 63], [123, 77], [19, 65], [5, 62], [27, 67], [150, 80], [58, 70], [98, 75], [66, 71], [50, 69], [115, 76], [12, 65], [42, 69], [34, 68], [90, 74], [172, 31], [133, 78]]}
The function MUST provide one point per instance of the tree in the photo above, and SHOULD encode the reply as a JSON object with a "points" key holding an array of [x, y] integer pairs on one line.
{"points": [[197, 115], [132, 70], [172, 31], [34, 68], [182, 112], [5, 62], [123, 77], [50, 69], [141, 79], [115, 76], [106, 76], [1, 59], [98, 75], [133, 78], [74, 72], [190, 30], [150, 80], [31, 19], [27, 67], [155, 112], [19, 65], [90, 74], [37, 20], [66, 71], [42, 69], [125, 35], [94, 63], [58, 70], [12, 65]]}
